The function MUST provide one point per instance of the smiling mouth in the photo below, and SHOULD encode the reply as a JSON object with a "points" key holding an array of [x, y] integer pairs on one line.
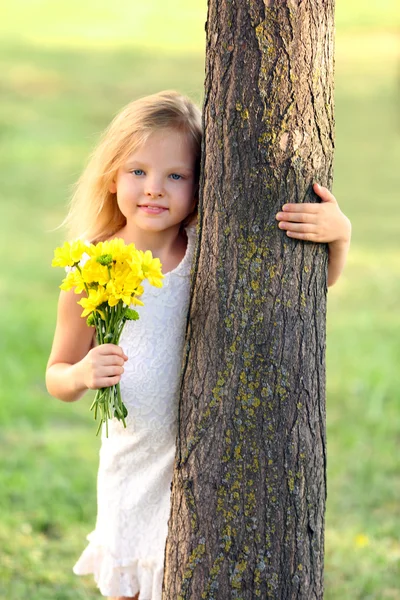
{"points": [[152, 209], [151, 206]]}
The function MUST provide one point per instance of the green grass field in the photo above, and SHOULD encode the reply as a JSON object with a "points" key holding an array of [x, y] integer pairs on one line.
{"points": [[65, 72]]}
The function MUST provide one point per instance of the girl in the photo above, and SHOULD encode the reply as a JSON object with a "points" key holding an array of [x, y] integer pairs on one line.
{"points": [[142, 185]]}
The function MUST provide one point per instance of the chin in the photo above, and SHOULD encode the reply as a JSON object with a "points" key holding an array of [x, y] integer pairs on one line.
{"points": [[153, 226]]}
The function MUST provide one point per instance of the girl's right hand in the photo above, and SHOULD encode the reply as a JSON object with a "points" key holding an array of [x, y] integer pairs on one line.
{"points": [[103, 366], [74, 365]]}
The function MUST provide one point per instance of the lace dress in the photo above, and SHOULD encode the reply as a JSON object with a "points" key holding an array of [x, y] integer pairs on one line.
{"points": [[126, 549]]}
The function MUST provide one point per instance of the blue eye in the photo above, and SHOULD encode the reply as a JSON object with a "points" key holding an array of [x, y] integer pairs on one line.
{"points": [[138, 172], [176, 177]]}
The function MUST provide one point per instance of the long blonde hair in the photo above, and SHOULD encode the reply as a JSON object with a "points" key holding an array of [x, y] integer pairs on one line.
{"points": [[94, 214]]}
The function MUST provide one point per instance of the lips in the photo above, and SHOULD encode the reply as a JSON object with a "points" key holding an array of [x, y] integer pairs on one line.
{"points": [[152, 209], [151, 206]]}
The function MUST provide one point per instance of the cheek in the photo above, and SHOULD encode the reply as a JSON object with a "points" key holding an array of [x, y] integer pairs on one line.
{"points": [[127, 188], [189, 201], [190, 190], [122, 206]]}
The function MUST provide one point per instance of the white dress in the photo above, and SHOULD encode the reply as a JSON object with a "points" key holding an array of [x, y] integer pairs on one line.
{"points": [[126, 549]]}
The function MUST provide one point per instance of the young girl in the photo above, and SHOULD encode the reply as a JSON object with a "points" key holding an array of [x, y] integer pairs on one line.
{"points": [[141, 185]]}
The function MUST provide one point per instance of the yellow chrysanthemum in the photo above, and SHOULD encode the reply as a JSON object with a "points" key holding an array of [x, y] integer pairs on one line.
{"points": [[93, 301], [126, 278], [152, 269], [112, 300], [94, 272], [111, 273], [99, 249], [135, 264], [78, 248], [69, 254], [118, 249], [123, 288], [95, 250], [135, 301], [73, 280], [114, 272]]}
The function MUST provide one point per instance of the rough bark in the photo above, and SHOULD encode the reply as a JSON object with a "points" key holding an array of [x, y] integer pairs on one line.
{"points": [[249, 487]]}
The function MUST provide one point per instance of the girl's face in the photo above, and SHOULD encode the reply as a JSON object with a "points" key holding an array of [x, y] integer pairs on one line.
{"points": [[156, 186]]}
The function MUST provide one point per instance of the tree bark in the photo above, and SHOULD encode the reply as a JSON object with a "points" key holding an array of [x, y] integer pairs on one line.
{"points": [[249, 487]]}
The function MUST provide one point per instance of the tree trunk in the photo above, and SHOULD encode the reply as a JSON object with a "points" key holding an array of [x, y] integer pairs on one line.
{"points": [[249, 486]]}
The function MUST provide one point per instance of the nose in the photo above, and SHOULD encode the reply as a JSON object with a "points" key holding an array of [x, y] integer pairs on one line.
{"points": [[154, 188]]}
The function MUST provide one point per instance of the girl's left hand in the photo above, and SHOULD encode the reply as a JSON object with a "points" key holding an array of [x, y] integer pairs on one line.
{"points": [[316, 222]]}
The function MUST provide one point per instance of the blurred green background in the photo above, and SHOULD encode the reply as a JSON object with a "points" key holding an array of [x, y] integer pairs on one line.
{"points": [[66, 69]]}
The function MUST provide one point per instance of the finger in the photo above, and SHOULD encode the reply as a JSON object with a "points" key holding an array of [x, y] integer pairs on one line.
{"points": [[107, 381], [97, 359], [307, 207], [297, 217], [302, 227], [323, 193], [111, 371], [111, 349], [124, 356], [298, 235], [109, 360]]}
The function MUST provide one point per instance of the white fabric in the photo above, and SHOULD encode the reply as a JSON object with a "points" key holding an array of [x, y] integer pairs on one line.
{"points": [[126, 549]]}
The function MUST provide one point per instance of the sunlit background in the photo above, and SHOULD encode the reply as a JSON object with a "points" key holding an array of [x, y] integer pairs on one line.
{"points": [[66, 69]]}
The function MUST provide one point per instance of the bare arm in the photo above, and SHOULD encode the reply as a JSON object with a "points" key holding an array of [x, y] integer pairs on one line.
{"points": [[322, 222], [338, 251], [74, 366]]}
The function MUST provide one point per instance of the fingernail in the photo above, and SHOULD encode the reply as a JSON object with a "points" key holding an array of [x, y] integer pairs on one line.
{"points": [[279, 215]]}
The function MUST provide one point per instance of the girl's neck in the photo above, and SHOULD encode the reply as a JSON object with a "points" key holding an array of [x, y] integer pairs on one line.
{"points": [[150, 240]]}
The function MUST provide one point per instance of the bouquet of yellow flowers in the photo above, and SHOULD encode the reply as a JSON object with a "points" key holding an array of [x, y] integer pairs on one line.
{"points": [[111, 274]]}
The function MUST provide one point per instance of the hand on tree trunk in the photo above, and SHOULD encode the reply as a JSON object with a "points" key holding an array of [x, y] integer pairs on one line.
{"points": [[320, 222]]}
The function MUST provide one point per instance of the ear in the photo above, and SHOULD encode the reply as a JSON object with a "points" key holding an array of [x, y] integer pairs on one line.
{"points": [[112, 188]]}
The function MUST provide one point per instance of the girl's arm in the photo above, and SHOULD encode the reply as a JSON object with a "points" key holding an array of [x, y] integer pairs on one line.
{"points": [[337, 254], [74, 366], [321, 222]]}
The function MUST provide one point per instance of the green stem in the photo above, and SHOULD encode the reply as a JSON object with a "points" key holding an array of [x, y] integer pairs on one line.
{"points": [[108, 401]]}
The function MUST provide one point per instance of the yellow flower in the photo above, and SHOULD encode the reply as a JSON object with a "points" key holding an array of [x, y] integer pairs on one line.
{"points": [[93, 301], [112, 300], [73, 280], [94, 272], [361, 540], [118, 288], [78, 248], [136, 302], [69, 254], [118, 249], [151, 268], [135, 263], [126, 277], [99, 249], [95, 250]]}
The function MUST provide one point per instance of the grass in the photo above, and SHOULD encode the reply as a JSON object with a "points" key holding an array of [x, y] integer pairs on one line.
{"points": [[62, 78]]}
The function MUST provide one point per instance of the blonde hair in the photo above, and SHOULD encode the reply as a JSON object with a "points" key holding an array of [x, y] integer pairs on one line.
{"points": [[94, 214]]}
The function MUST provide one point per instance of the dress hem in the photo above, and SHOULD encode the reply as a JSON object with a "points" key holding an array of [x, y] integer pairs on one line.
{"points": [[117, 577]]}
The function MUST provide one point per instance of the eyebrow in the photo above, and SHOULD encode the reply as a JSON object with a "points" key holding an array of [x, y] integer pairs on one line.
{"points": [[173, 169]]}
